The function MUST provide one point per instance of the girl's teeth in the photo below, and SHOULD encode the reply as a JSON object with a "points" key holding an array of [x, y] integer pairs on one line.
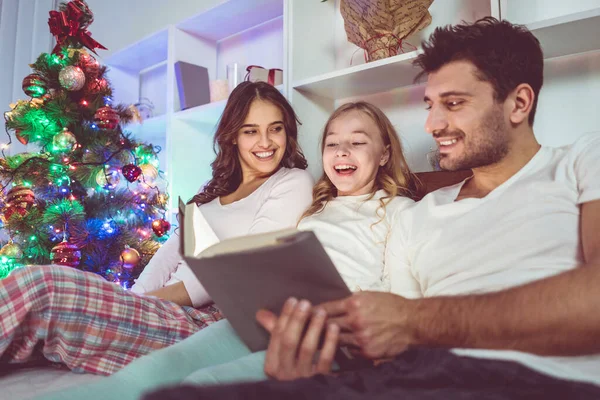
{"points": [[344, 167]]}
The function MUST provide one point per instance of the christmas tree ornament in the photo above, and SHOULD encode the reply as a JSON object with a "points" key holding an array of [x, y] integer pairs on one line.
{"points": [[34, 85], [107, 118], [130, 258], [11, 250], [69, 25], [64, 141], [109, 178], [131, 172], [71, 78], [160, 227], [96, 85], [150, 172], [9, 211], [88, 64], [19, 200], [65, 253], [20, 137]]}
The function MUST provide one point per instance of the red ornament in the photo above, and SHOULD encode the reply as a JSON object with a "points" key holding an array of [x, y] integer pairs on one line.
{"points": [[89, 65], [10, 211], [107, 118], [160, 227], [65, 253], [131, 172], [96, 85], [19, 200], [21, 138], [34, 85]]}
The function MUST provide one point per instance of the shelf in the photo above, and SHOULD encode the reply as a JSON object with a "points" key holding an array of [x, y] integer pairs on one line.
{"points": [[232, 17], [568, 34], [364, 79], [145, 54], [151, 128], [207, 113]]}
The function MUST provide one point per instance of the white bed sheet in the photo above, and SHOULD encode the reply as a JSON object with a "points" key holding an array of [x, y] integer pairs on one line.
{"points": [[25, 384]]}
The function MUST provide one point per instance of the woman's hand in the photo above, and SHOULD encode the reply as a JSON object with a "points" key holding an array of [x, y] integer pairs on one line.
{"points": [[177, 293], [291, 352]]}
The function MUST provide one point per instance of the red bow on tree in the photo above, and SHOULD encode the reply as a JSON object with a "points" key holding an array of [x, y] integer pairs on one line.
{"points": [[67, 24]]}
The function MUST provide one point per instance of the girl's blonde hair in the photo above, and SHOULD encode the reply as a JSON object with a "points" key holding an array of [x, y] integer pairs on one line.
{"points": [[394, 177]]}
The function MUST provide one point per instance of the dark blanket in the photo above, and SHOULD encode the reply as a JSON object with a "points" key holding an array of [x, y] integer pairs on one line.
{"points": [[416, 374]]}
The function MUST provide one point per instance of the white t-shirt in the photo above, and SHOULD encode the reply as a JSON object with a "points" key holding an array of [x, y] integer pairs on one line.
{"points": [[526, 229], [277, 204], [354, 235]]}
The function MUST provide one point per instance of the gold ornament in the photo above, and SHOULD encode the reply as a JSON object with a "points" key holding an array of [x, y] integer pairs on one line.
{"points": [[150, 173], [130, 257], [11, 250], [71, 78], [64, 140], [108, 179]]}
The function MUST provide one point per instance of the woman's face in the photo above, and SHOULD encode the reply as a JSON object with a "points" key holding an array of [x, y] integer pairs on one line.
{"points": [[262, 139]]}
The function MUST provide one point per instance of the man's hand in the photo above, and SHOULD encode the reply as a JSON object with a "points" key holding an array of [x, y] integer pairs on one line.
{"points": [[374, 322], [291, 355]]}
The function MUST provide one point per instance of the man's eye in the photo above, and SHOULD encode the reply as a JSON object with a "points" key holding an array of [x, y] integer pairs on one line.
{"points": [[428, 108], [452, 104], [358, 143]]}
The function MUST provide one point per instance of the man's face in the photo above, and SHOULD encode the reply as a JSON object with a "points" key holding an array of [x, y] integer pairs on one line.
{"points": [[469, 126]]}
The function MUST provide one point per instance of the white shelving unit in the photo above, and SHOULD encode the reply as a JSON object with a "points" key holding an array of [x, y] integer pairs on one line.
{"points": [[306, 38]]}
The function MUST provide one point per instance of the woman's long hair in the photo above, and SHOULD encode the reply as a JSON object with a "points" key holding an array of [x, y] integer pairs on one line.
{"points": [[394, 177], [226, 169]]}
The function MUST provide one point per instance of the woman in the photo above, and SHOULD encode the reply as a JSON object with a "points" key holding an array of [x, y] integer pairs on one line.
{"points": [[95, 326]]}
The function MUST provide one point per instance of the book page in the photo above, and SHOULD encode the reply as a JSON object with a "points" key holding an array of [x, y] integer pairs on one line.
{"points": [[243, 243], [199, 235]]}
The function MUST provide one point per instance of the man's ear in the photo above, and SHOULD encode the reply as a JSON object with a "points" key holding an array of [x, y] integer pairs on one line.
{"points": [[385, 157], [520, 103]]}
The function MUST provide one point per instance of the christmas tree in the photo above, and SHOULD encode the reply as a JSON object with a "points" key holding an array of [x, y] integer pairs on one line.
{"points": [[89, 198]]}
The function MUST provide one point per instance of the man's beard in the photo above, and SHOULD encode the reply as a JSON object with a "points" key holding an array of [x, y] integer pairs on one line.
{"points": [[488, 146]]}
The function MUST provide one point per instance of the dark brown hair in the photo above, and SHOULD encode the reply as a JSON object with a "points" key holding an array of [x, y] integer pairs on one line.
{"points": [[226, 169], [394, 177], [506, 55]]}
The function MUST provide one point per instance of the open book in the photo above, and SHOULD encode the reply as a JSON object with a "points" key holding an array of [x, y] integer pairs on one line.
{"points": [[245, 274]]}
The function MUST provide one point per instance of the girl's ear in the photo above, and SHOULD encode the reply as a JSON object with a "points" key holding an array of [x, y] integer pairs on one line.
{"points": [[385, 157]]}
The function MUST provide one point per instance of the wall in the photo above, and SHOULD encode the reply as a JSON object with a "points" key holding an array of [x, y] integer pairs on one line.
{"points": [[24, 35], [119, 23]]}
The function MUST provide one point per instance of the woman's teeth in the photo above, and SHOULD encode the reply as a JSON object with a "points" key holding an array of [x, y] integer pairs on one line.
{"points": [[264, 154]]}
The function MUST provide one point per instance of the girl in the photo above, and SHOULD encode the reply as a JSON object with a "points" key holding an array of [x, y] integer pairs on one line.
{"points": [[365, 181], [95, 326]]}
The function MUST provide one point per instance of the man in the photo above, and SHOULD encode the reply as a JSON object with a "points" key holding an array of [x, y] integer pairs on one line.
{"points": [[502, 269]]}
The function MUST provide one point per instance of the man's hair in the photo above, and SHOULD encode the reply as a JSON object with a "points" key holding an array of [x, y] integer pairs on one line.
{"points": [[506, 55]]}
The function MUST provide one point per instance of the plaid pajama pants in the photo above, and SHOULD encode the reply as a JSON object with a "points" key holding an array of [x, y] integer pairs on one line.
{"points": [[85, 322]]}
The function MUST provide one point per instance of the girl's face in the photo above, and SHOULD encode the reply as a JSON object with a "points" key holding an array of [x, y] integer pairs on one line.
{"points": [[262, 139], [353, 153]]}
